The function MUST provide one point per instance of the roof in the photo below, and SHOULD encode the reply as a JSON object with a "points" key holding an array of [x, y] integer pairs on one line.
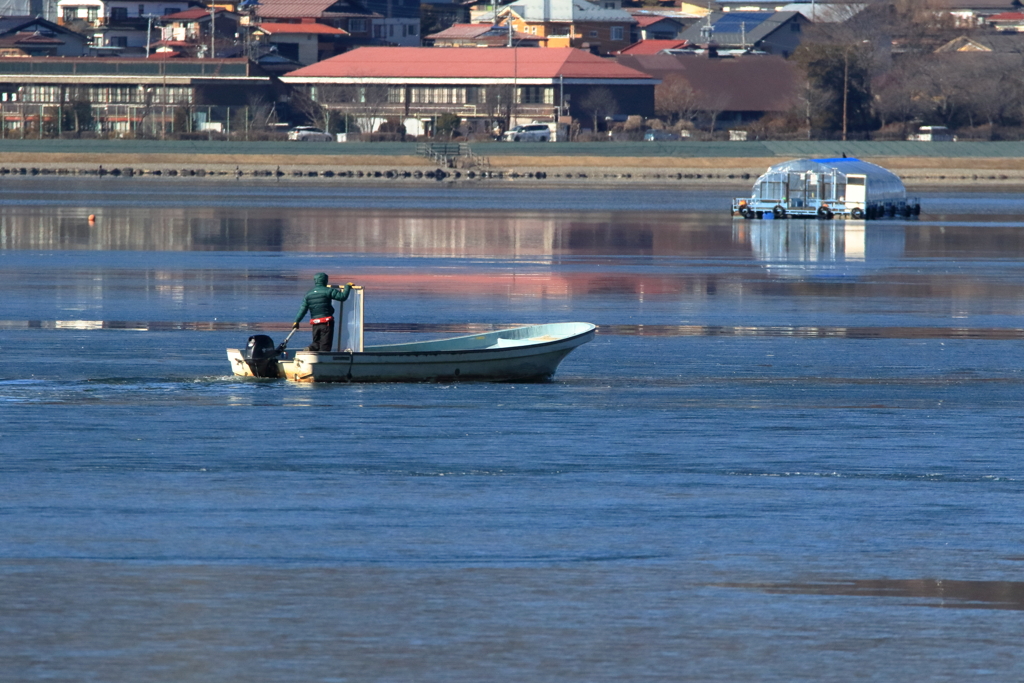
{"points": [[653, 47], [1007, 16], [747, 83], [457, 63], [319, 29], [824, 13], [645, 20], [734, 28], [1002, 43], [293, 9], [193, 14], [18, 24], [29, 39], [470, 31]]}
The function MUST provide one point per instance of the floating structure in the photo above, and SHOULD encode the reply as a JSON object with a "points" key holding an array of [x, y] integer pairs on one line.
{"points": [[826, 188], [519, 354]]}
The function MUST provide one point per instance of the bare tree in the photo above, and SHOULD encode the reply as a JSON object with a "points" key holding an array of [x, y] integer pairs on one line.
{"points": [[674, 98], [308, 103], [599, 102]]}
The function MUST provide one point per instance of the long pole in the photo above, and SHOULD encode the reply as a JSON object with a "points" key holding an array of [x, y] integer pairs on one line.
{"points": [[213, 31]]}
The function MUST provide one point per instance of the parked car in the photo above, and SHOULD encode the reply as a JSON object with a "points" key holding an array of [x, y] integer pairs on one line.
{"points": [[309, 134], [533, 132], [654, 135]]}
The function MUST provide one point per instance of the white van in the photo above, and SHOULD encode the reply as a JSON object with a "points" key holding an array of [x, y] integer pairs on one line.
{"points": [[533, 132]]}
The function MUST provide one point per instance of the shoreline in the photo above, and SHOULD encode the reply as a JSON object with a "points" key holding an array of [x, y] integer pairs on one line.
{"points": [[541, 170]]}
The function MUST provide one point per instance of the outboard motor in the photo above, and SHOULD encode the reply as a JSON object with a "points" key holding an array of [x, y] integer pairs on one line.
{"points": [[261, 356]]}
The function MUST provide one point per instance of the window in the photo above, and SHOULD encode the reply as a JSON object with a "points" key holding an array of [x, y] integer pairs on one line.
{"points": [[424, 95], [142, 10], [795, 27], [170, 10], [536, 94], [118, 13], [593, 34], [357, 25], [616, 33], [378, 31], [70, 14], [118, 41], [93, 13], [413, 29]]}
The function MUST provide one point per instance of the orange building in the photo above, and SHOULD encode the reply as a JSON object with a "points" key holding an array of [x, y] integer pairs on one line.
{"points": [[601, 29]]}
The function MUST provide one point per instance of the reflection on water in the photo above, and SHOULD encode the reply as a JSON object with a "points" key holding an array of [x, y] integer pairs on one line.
{"points": [[957, 594], [810, 248]]}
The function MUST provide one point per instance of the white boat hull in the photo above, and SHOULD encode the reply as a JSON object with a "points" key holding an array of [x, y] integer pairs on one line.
{"points": [[519, 354]]}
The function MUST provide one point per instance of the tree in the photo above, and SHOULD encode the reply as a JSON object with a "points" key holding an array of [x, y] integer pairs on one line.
{"points": [[447, 124], [599, 102], [841, 72], [675, 99]]}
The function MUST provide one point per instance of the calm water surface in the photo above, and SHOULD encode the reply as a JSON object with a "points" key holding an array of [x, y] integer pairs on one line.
{"points": [[793, 453]]}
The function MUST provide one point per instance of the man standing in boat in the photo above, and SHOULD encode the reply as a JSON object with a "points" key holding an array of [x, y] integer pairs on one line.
{"points": [[321, 311]]}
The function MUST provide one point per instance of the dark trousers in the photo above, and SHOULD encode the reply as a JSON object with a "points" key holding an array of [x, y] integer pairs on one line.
{"points": [[323, 335]]}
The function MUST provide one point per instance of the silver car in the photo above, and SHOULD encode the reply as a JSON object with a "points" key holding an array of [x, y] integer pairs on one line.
{"points": [[309, 134]]}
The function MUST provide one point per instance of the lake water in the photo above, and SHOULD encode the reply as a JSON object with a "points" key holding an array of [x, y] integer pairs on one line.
{"points": [[793, 452]]}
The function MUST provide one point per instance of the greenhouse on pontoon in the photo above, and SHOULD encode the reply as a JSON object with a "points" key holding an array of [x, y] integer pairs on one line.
{"points": [[825, 188]]}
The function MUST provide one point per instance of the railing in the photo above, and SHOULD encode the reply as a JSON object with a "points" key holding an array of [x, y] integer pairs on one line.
{"points": [[443, 152]]}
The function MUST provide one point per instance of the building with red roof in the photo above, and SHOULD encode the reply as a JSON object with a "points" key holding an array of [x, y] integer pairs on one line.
{"points": [[504, 86], [368, 22], [305, 43], [658, 27], [1007, 21]]}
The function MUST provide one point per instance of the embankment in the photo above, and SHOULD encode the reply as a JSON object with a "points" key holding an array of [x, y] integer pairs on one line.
{"points": [[971, 165]]}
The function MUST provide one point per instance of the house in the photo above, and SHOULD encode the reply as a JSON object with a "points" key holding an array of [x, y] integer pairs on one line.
{"points": [[728, 91], [573, 23], [350, 17], [188, 32], [777, 33], [1007, 22], [117, 26], [305, 43], [972, 13], [480, 35], [398, 24], [125, 95], [496, 87], [657, 26], [37, 37], [999, 43]]}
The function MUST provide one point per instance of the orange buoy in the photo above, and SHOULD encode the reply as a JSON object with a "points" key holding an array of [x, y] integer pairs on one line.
{"points": [[92, 218]]}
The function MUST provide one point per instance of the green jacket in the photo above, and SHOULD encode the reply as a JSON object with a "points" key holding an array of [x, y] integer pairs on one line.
{"points": [[318, 301]]}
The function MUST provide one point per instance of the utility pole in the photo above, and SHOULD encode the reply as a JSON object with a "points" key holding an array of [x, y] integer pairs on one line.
{"points": [[213, 31]]}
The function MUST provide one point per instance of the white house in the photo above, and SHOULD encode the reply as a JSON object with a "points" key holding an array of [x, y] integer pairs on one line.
{"points": [[117, 24]]}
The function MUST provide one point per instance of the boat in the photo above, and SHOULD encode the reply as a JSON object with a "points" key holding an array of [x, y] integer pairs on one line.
{"points": [[825, 189], [529, 353]]}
